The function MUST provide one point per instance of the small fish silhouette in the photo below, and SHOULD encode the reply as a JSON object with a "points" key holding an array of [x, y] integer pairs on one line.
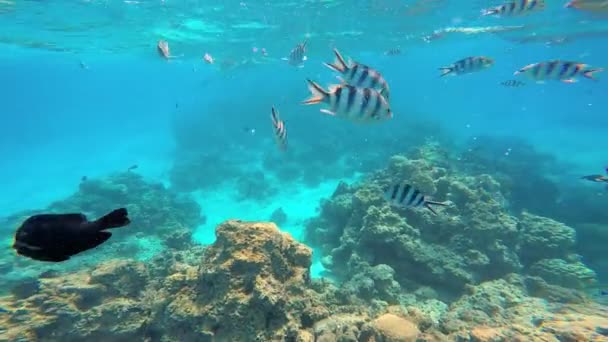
{"points": [[512, 83], [132, 167]]}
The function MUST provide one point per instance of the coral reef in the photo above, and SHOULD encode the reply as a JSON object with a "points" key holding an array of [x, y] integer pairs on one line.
{"points": [[473, 240], [160, 218], [253, 284]]}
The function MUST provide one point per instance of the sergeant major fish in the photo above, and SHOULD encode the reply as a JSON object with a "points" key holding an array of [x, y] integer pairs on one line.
{"points": [[297, 56], [467, 65], [512, 83], [595, 6], [57, 237], [359, 75], [558, 70], [280, 132], [406, 196], [518, 7], [349, 102]]}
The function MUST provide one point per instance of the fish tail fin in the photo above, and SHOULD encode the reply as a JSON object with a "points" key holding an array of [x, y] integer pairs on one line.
{"points": [[275, 115], [318, 94], [339, 64], [429, 205], [445, 71], [115, 219], [489, 11], [589, 73]]}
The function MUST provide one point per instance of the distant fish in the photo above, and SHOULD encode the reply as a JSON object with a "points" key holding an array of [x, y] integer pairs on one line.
{"points": [[297, 56], [57, 237], [595, 6], [359, 75], [132, 167], [83, 65], [349, 102], [467, 65], [564, 71], [513, 8], [83, 178], [512, 83], [406, 196], [393, 52], [280, 132], [163, 49], [208, 58], [596, 178], [603, 292]]}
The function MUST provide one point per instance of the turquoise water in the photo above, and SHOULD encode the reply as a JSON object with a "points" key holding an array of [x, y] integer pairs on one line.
{"points": [[85, 93]]}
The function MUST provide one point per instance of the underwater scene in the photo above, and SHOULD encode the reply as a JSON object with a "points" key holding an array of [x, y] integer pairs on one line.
{"points": [[301, 171]]}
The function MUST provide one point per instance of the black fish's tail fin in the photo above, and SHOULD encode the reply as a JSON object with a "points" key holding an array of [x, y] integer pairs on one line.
{"points": [[115, 219], [429, 205]]}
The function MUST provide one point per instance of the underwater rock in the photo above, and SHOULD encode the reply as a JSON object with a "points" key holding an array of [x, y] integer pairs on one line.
{"points": [[261, 275], [544, 238], [255, 187], [79, 307], [563, 273], [391, 328], [278, 216]]}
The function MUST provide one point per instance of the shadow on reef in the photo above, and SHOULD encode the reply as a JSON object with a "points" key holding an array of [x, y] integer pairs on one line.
{"points": [[160, 217], [382, 253], [253, 284]]}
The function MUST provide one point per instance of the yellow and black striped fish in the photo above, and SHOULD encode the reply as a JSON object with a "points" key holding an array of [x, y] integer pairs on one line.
{"points": [[467, 65], [359, 75], [516, 7], [280, 132], [564, 71], [349, 102]]}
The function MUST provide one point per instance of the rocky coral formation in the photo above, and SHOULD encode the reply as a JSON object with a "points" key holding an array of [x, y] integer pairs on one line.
{"points": [[475, 239], [160, 218], [253, 284]]}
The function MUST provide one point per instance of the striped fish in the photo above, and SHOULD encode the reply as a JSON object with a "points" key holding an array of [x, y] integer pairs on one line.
{"points": [[280, 132], [467, 65], [349, 102], [516, 7], [359, 75], [558, 70], [297, 56], [404, 195]]}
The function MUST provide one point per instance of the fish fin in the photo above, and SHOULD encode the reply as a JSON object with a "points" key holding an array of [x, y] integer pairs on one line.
{"points": [[589, 73], [285, 58], [429, 205], [445, 71], [115, 219], [339, 64], [570, 80], [384, 93], [341, 79], [328, 112], [318, 94], [275, 116], [489, 11], [305, 58]]}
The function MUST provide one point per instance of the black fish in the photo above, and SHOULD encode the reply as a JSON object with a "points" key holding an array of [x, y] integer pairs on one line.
{"points": [[57, 237], [132, 167], [406, 196], [512, 83]]}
